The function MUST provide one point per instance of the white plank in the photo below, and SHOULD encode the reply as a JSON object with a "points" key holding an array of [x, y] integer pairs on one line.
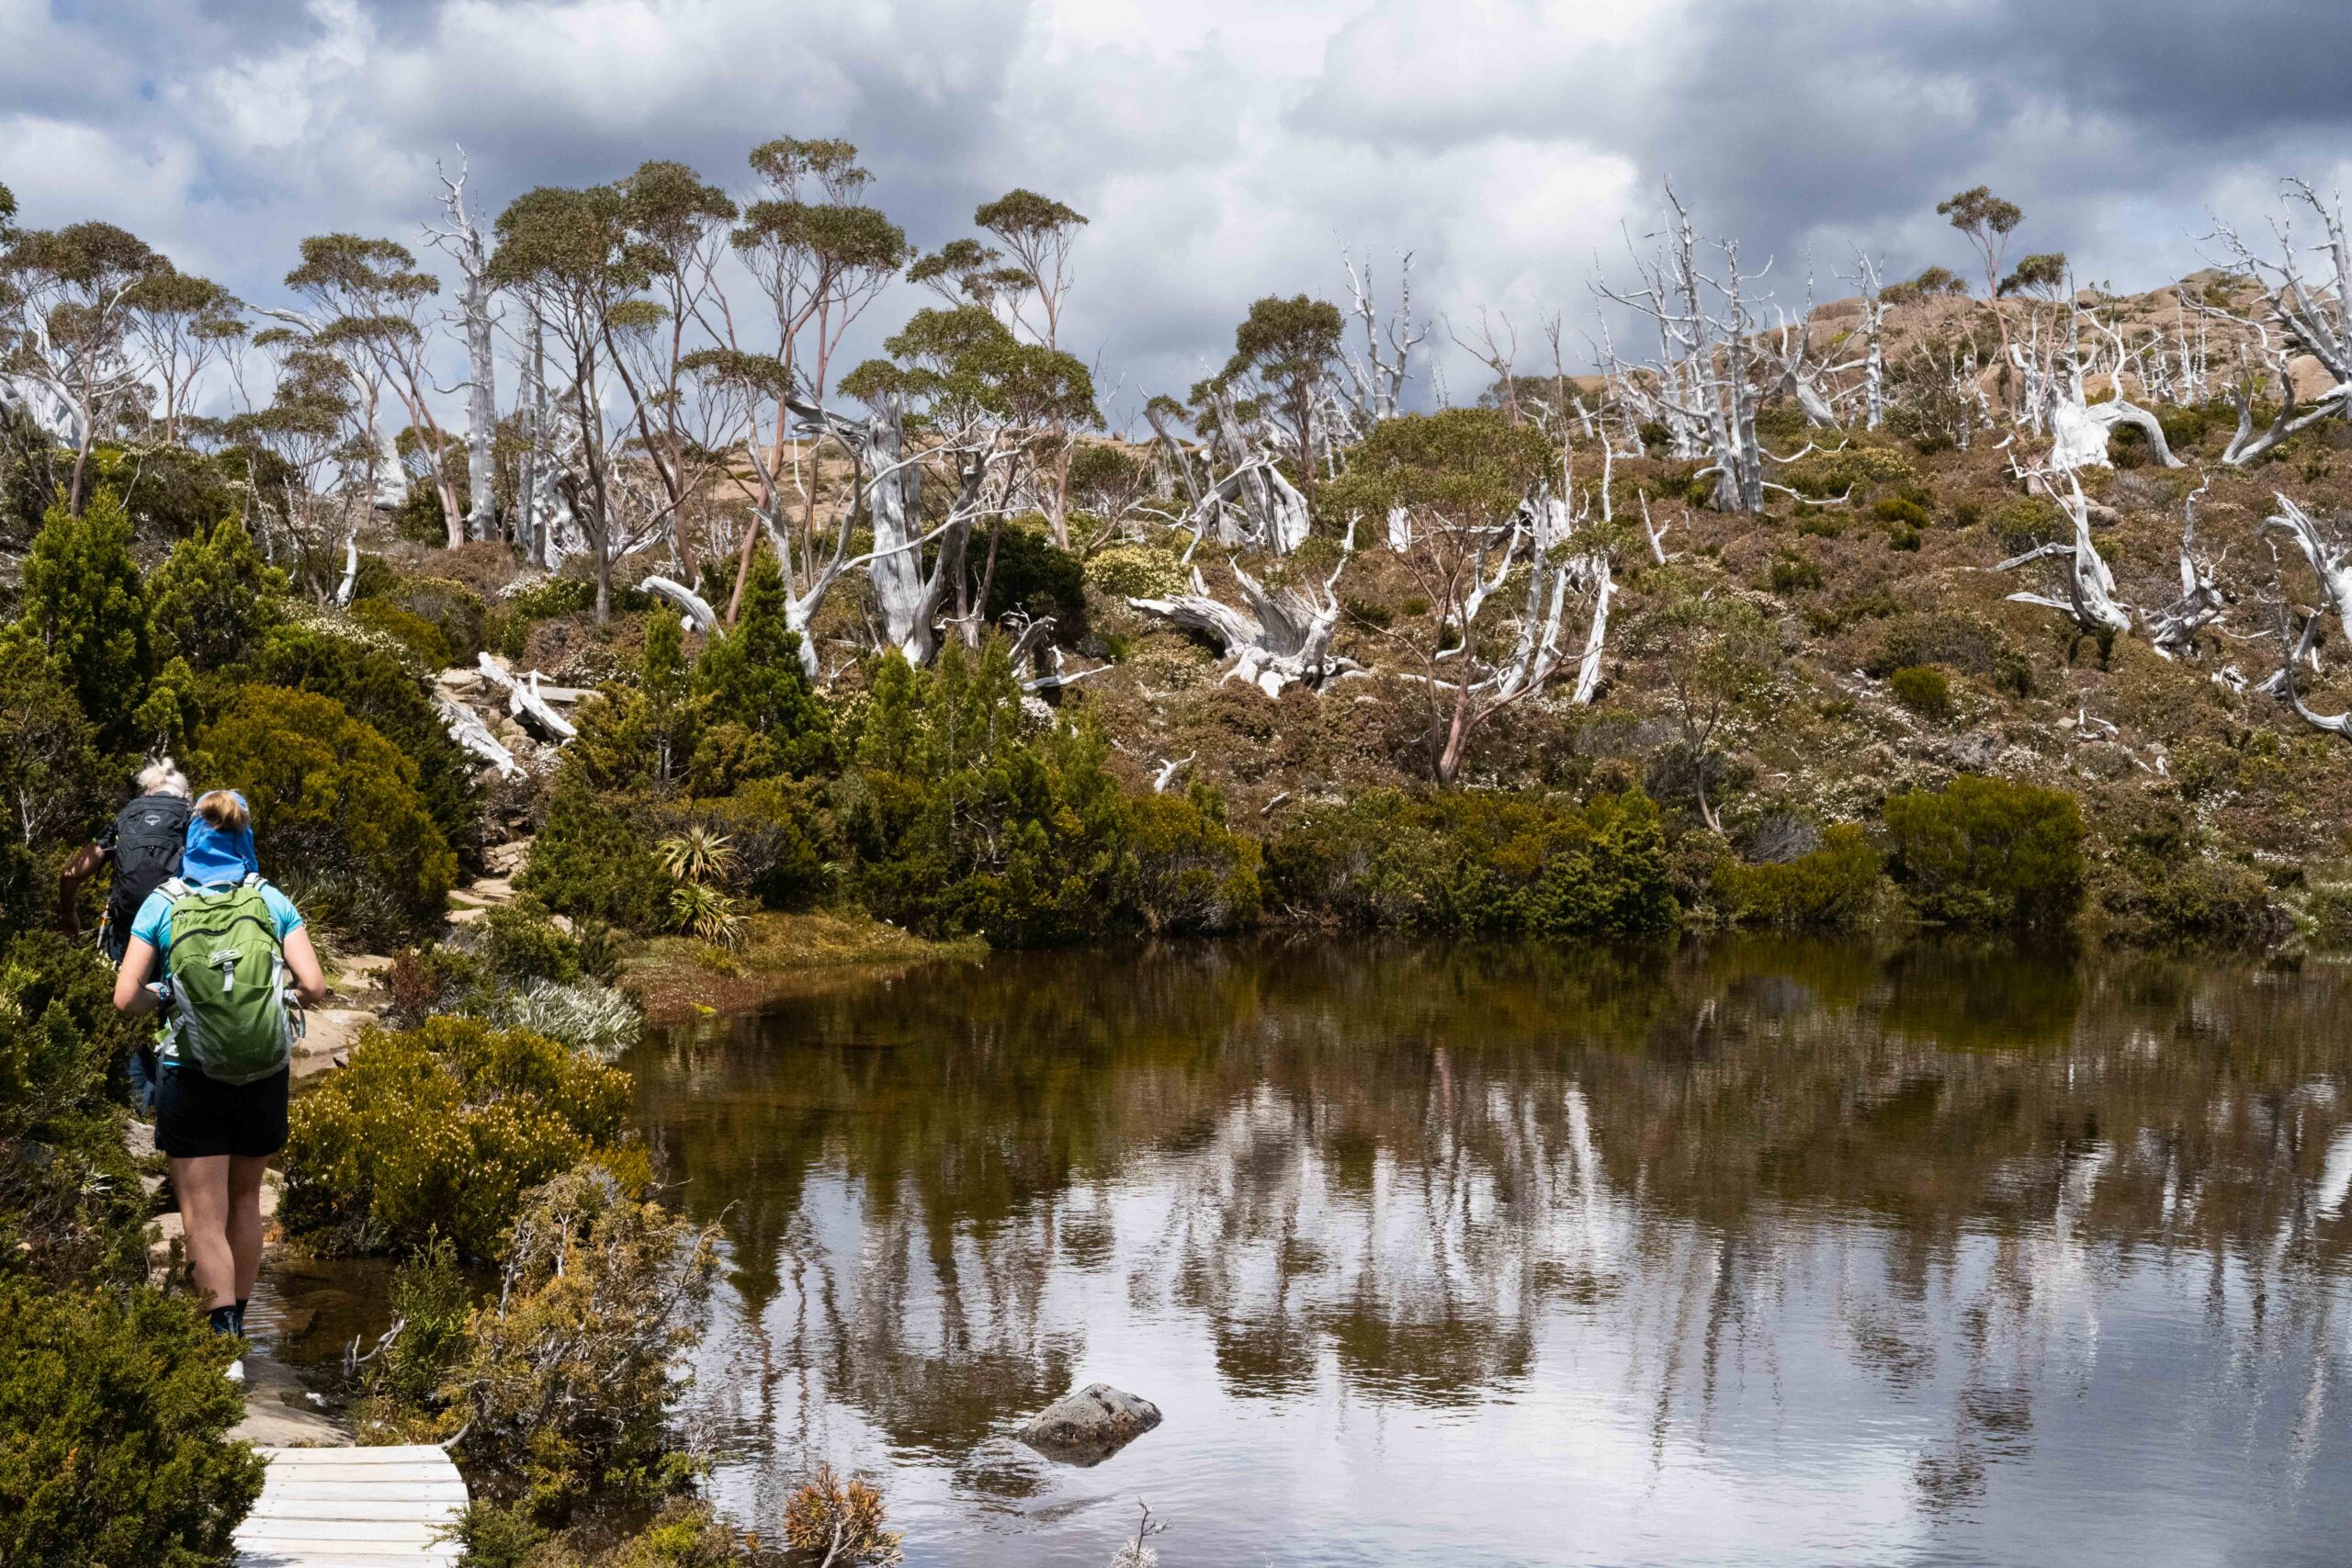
{"points": [[389, 1453], [392, 1509], [345, 1557], [371, 1474], [339, 1495], [376, 1532]]}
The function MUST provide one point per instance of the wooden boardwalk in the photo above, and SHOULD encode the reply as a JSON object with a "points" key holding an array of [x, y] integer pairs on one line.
{"points": [[353, 1509]]}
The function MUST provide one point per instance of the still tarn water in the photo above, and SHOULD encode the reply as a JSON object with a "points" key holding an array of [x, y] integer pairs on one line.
{"points": [[1735, 1254]]}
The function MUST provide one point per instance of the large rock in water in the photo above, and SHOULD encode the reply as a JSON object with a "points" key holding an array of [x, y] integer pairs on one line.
{"points": [[1089, 1427]]}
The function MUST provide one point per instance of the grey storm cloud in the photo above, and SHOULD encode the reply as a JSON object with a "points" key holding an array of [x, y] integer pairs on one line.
{"points": [[1224, 149]]}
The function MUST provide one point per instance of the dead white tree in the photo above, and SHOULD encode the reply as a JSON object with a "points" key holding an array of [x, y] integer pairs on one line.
{"points": [[1874, 330], [1377, 376], [2090, 587], [1282, 639], [2310, 315], [461, 240], [2173, 631]]}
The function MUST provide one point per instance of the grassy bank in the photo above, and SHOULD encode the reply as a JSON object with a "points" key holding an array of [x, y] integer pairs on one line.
{"points": [[676, 978]]}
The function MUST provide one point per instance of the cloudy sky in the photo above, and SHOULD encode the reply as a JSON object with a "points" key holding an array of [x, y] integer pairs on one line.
{"points": [[1224, 148]]}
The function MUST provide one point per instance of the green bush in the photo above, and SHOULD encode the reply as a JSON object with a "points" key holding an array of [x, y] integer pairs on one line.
{"points": [[1794, 574], [960, 820], [753, 677], [1989, 853], [1518, 865], [551, 596], [335, 807], [1924, 689], [406, 628], [117, 1418], [1033, 576], [1956, 639], [2025, 521], [85, 606], [565, 1392], [593, 863], [1830, 885], [59, 787], [375, 687], [1819, 475], [431, 1302], [213, 598], [1191, 872], [1900, 511], [782, 836], [442, 1128], [522, 944], [1136, 571]]}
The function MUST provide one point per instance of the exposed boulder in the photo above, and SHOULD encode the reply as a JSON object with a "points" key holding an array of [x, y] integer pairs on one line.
{"points": [[1089, 1427]]}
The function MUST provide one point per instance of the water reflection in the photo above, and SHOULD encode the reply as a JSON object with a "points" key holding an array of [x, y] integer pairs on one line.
{"points": [[1752, 1252]]}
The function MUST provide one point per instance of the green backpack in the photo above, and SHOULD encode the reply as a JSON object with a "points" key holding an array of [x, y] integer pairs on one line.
{"points": [[227, 970]]}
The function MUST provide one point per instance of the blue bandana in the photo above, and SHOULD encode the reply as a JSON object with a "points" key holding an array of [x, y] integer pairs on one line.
{"points": [[212, 856]]}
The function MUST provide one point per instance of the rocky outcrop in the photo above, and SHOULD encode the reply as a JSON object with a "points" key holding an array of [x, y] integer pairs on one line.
{"points": [[1089, 1427]]}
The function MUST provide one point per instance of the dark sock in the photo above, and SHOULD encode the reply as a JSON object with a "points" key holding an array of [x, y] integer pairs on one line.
{"points": [[224, 1320], [241, 1317]]}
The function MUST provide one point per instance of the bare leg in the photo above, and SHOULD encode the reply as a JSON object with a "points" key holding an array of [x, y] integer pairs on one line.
{"points": [[244, 1219], [203, 1187]]}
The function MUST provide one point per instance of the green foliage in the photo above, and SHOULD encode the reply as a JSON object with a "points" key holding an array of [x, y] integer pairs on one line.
{"points": [[86, 608], [50, 768], [962, 822], [752, 676], [1823, 475], [118, 1420], [565, 1391], [1509, 866], [1191, 872], [592, 862], [375, 687], [1459, 468], [1924, 689], [70, 1207], [1036, 577], [430, 1301], [213, 598], [1957, 639], [336, 804], [408, 628], [1830, 885], [1793, 573], [1136, 571], [2022, 521], [551, 596], [441, 1129], [783, 838], [1989, 853], [519, 944]]}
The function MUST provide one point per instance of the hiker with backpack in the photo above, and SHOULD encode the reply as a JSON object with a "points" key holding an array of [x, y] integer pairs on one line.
{"points": [[228, 942], [143, 842]]}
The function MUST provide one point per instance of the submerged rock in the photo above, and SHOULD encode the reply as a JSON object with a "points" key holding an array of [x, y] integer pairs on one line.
{"points": [[1089, 1427]]}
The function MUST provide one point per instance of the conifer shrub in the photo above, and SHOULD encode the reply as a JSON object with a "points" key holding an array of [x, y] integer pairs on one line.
{"points": [[595, 862], [375, 687], [1829, 886], [963, 820], [1524, 865], [116, 1420], [545, 598], [420, 637], [783, 838], [1033, 576], [753, 677], [1924, 689], [213, 598], [85, 607], [1192, 874], [53, 774], [1983, 853], [336, 809], [519, 944], [441, 1129]]}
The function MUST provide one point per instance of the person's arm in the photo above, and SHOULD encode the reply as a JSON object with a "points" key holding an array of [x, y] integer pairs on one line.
{"points": [[79, 869], [131, 992], [309, 980]]}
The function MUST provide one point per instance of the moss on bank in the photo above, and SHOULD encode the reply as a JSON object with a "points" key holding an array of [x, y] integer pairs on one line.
{"points": [[676, 978]]}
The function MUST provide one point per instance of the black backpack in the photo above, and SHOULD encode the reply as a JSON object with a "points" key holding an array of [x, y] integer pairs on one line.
{"points": [[149, 834]]}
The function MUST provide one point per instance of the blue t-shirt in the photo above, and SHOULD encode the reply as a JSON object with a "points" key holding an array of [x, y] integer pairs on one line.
{"points": [[153, 924]]}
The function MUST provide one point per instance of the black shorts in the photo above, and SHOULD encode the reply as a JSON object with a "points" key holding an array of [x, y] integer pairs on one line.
{"points": [[196, 1116]]}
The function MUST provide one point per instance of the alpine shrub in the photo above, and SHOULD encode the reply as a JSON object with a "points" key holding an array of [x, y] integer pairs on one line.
{"points": [[1830, 885], [1985, 853]]}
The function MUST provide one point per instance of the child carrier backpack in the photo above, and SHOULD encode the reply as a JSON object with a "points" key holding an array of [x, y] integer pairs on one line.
{"points": [[227, 970], [148, 836]]}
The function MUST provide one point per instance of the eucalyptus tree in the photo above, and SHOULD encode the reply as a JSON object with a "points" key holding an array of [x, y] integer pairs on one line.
{"points": [[369, 311], [70, 295], [184, 325], [1987, 221], [296, 445], [821, 256], [1283, 353], [1025, 280], [569, 252], [676, 227]]}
